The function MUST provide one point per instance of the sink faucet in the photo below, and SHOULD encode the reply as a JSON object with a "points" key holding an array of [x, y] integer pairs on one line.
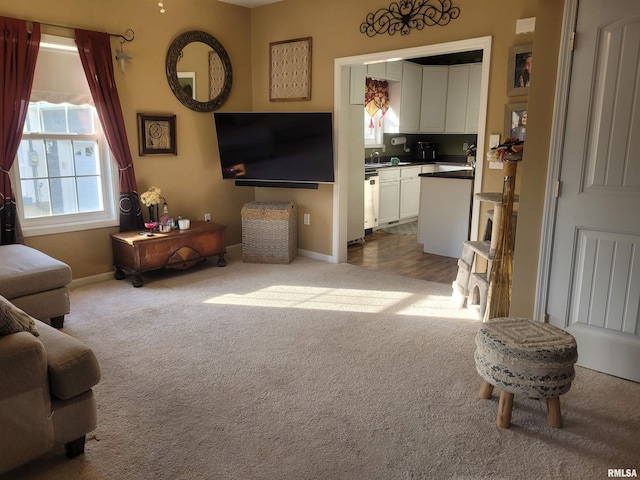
{"points": [[375, 154]]}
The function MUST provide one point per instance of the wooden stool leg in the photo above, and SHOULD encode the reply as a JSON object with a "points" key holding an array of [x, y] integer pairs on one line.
{"points": [[486, 389], [554, 416], [504, 409]]}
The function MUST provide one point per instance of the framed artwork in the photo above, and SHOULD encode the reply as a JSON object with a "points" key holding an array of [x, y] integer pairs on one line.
{"points": [[519, 71], [515, 120], [187, 81], [157, 134], [290, 70]]}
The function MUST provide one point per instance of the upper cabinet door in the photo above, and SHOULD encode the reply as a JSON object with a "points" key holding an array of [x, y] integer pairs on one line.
{"points": [[434, 99], [411, 88], [457, 94], [473, 99], [394, 70]]}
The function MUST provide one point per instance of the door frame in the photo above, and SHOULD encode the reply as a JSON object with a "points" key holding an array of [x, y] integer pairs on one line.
{"points": [[341, 137], [561, 103]]}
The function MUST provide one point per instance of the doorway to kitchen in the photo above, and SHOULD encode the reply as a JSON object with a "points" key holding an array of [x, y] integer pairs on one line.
{"points": [[398, 253]]}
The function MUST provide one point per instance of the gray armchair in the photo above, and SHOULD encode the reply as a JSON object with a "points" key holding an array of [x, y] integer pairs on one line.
{"points": [[45, 392]]}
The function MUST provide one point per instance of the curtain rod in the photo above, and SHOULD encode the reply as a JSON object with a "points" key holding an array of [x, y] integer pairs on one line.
{"points": [[128, 36]]}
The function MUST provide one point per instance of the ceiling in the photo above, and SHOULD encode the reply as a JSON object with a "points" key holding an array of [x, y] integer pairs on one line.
{"points": [[250, 3]]}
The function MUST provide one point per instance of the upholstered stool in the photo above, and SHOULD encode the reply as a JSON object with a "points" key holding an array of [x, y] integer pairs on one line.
{"points": [[522, 356]]}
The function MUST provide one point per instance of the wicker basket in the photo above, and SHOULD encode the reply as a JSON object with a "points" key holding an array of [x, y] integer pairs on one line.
{"points": [[269, 232]]}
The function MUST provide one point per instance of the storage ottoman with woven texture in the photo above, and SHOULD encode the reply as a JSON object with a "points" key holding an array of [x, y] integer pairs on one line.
{"points": [[269, 232], [522, 356], [526, 357]]}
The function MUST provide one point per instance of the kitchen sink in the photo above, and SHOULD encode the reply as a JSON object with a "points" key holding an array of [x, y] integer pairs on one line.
{"points": [[385, 164]]}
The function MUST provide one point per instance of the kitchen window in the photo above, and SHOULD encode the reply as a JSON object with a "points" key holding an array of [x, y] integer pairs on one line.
{"points": [[63, 175], [373, 129], [376, 105]]}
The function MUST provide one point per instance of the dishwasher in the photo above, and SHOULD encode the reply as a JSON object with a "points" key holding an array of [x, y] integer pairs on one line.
{"points": [[371, 200]]}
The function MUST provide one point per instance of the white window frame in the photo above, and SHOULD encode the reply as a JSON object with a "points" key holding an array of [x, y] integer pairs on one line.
{"points": [[54, 224], [377, 142]]}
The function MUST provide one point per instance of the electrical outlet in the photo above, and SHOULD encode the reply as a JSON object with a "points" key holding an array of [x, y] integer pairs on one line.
{"points": [[465, 146], [207, 217], [307, 219]]}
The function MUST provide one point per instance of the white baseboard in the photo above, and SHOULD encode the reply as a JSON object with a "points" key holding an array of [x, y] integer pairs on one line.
{"points": [[316, 256]]}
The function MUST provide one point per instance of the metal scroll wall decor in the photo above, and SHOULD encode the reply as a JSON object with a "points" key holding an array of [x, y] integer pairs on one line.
{"points": [[405, 15]]}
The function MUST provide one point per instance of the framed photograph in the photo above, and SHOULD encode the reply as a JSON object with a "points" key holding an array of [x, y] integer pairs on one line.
{"points": [[515, 120], [157, 134], [188, 82], [519, 71], [290, 70]]}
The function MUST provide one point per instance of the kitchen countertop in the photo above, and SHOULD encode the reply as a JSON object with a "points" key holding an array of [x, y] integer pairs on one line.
{"points": [[412, 164], [460, 174]]}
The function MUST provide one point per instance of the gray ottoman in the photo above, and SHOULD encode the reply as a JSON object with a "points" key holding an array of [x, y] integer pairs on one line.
{"points": [[521, 356], [35, 282]]}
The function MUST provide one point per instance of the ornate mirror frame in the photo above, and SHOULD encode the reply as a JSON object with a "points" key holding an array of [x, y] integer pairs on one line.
{"points": [[174, 54]]}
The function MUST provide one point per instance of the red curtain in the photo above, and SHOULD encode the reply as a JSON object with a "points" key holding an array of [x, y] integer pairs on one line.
{"points": [[95, 53], [18, 54]]}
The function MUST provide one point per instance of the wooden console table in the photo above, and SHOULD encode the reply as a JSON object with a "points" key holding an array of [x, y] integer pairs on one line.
{"points": [[179, 249]]}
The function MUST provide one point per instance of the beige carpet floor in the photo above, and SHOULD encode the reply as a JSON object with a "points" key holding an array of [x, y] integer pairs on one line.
{"points": [[315, 371]]}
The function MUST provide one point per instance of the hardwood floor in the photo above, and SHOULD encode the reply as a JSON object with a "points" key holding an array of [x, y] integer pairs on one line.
{"points": [[402, 255]]}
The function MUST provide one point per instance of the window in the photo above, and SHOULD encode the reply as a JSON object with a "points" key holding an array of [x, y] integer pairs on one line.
{"points": [[373, 129], [63, 175]]}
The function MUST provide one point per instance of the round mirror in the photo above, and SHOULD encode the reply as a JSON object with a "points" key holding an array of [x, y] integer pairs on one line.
{"points": [[199, 71]]}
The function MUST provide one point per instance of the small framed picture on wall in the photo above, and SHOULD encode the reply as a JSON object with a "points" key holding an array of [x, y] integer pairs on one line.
{"points": [[515, 120], [157, 134], [519, 71]]}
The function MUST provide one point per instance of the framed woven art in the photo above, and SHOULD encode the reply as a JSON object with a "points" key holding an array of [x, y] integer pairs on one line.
{"points": [[157, 134], [290, 70]]}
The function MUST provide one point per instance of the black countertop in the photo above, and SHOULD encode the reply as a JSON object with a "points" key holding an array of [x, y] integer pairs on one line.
{"points": [[460, 174], [407, 161]]}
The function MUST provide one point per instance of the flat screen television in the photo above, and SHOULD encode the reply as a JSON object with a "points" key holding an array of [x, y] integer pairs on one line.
{"points": [[276, 149]]}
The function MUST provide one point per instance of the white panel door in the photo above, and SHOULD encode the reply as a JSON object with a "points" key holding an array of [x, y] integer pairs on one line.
{"points": [[594, 285]]}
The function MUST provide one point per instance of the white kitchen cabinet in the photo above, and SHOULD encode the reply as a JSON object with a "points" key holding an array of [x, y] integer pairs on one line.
{"points": [[377, 70], [457, 94], [389, 188], [399, 193], [385, 71], [409, 192], [463, 98], [473, 98], [394, 71], [389, 206], [429, 168], [410, 91], [357, 84], [433, 99]]}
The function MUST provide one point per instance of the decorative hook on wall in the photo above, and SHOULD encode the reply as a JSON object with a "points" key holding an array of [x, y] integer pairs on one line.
{"points": [[405, 15], [128, 36]]}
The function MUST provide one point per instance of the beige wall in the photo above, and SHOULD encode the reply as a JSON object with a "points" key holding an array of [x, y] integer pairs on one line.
{"points": [[191, 180], [536, 157], [334, 27]]}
